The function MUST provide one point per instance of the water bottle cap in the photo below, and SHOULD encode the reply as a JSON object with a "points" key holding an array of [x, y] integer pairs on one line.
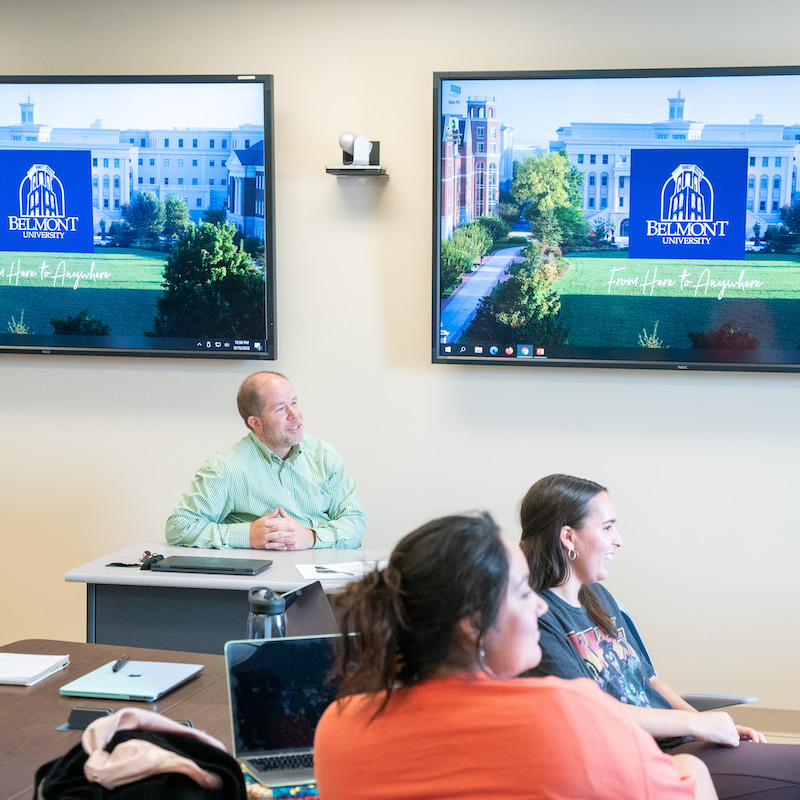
{"points": [[265, 601]]}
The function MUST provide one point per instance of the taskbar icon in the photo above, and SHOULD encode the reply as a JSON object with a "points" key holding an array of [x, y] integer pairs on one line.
{"points": [[529, 351]]}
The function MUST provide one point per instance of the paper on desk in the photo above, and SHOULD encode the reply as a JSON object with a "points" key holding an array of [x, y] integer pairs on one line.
{"points": [[346, 570]]}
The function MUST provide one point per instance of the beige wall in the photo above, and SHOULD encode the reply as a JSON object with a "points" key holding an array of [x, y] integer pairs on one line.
{"points": [[703, 467]]}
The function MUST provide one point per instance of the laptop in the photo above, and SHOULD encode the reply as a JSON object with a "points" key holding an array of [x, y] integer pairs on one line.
{"points": [[211, 565], [309, 612], [278, 690], [134, 680]]}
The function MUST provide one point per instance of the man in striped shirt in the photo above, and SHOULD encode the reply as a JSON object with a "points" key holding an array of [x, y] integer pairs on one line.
{"points": [[275, 489]]}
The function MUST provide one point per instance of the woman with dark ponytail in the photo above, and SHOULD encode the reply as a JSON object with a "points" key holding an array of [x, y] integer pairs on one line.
{"points": [[429, 705], [569, 537]]}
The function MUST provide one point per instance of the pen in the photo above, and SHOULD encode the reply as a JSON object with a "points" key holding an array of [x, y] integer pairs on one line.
{"points": [[120, 664]]}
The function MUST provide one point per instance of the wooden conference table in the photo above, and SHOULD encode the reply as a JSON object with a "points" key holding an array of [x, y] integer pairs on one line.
{"points": [[190, 612], [30, 715]]}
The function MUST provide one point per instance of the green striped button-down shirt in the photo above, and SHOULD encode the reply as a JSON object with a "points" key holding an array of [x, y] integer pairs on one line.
{"points": [[248, 481]]}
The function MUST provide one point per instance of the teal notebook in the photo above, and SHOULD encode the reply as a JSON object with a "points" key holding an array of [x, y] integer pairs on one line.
{"points": [[135, 680]]}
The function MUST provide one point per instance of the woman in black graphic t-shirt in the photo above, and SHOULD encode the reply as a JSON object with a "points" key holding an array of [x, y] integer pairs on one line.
{"points": [[570, 536]]}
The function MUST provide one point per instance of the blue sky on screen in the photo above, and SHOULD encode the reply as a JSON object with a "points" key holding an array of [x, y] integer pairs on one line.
{"points": [[136, 105], [536, 108]]}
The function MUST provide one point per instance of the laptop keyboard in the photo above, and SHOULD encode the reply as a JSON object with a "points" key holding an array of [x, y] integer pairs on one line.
{"points": [[294, 761]]}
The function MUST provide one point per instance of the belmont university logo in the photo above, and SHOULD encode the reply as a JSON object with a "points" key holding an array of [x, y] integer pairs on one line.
{"points": [[41, 206], [687, 209], [46, 201], [688, 203]]}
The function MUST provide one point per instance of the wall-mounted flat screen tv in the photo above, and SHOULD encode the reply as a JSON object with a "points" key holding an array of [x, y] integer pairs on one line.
{"points": [[137, 216], [644, 218]]}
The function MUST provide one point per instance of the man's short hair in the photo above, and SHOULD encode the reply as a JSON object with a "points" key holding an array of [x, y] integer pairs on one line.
{"points": [[248, 398]]}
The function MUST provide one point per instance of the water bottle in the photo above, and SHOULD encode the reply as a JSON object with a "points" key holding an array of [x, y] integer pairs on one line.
{"points": [[267, 617]]}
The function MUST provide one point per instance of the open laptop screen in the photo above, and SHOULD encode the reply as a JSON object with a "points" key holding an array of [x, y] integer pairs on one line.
{"points": [[279, 689]]}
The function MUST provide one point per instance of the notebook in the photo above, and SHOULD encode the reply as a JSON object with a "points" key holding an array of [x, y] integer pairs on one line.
{"points": [[309, 612], [135, 680], [25, 669], [278, 690], [211, 564]]}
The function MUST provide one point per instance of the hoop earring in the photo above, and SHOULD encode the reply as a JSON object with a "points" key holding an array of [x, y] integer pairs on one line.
{"points": [[572, 554], [483, 665]]}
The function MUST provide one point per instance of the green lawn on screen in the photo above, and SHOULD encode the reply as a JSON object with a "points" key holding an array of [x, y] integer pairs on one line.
{"points": [[117, 286], [610, 300]]}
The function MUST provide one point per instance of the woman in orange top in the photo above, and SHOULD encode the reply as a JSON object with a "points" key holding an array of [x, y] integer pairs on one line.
{"points": [[430, 706]]}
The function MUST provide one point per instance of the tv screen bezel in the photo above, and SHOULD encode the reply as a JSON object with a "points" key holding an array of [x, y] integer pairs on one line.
{"points": [[269, 351], [439, 357]]}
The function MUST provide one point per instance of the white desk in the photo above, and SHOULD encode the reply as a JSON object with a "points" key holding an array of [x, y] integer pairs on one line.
{"points": [[190, 612]]}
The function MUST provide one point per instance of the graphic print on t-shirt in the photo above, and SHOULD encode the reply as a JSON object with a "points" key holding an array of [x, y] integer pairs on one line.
{"points": [[614, 664]]}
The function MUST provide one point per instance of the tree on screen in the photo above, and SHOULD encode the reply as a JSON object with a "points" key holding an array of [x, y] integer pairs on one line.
{"points": [[82, 324], [510, 209], [176, 216], [215, 216], [461, 253], [524, 308], [120, 234], [783, 238], [454, 263], [790, 216], [474, 240], [145, 215], [254, 246], [727, 337], [548, 187], [497, 228], [780, 239], [212, 288]]}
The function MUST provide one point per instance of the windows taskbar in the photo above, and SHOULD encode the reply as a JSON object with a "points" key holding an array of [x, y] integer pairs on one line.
{"points": [[761, 359], [201, 346], [493, 350]]}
